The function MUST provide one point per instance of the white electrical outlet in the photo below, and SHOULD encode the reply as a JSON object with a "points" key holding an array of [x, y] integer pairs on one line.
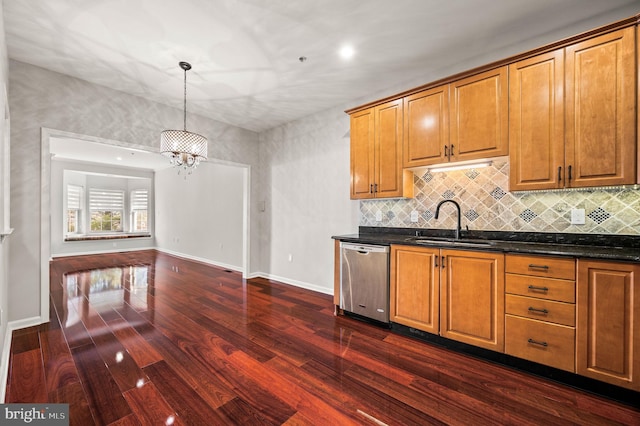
{"points": [[577, 217], [378, 216], [414, 216]]}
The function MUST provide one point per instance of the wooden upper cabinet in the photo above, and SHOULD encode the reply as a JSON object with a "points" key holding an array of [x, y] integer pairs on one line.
{"points": [[472, 298], [601, 110], [479, 116], [536, 122], [362, 153], [415, 287], [376, 153], [608, 322], [388, 150], [426, 127]]}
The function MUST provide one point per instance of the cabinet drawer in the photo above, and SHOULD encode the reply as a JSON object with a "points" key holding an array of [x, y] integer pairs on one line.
{"points": [[543, 288], [540, 309], [542, 342], [541, 266]]}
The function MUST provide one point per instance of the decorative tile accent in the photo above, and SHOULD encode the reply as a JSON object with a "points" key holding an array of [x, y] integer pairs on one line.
{"points": [[448, 194], [471, 215], [610, 210], [498, 193], [599, 215], [528, 215], [472, 174]]}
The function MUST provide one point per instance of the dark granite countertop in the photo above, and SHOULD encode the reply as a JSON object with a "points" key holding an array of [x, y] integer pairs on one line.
{"points": [[594, 246]]}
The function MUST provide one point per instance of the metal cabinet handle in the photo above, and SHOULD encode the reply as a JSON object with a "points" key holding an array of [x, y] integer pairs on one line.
{"points": [[538, 311], [452, 154], [531, 265], [560, 174], [375, 187], [443, 262], [435, 261], [535, 342], [371, 189], [569, 173], [446, 151], [536, 288]]}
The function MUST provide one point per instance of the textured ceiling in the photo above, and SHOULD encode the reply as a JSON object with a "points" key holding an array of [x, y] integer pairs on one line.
{"points": [[244, 53]]}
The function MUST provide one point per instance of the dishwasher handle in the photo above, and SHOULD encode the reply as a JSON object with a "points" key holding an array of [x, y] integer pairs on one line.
{"points": [[364, 248]]}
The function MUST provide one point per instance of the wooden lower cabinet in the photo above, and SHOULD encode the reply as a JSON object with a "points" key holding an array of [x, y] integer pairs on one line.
{"points": [[608, 322], [540, 341], [415, 287], [472, 298], [458, 294]]}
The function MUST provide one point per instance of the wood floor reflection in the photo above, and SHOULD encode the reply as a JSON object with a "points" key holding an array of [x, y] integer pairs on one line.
{"points": [[148, 338]]}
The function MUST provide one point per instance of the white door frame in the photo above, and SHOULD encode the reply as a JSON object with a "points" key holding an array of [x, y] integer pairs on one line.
{"points": [[45, 207]]}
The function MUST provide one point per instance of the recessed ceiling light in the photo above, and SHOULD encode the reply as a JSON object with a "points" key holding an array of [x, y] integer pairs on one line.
{"points": [[347, 52], [119, 158]]}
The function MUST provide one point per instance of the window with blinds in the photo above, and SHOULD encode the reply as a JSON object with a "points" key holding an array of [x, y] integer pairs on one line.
{"points": [[139, 210], [106, 207], [74, 208]]}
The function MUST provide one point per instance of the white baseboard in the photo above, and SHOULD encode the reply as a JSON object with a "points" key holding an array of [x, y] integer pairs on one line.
{"points": [[296, 283], [4, 364], [6, 350], [201, 260]]}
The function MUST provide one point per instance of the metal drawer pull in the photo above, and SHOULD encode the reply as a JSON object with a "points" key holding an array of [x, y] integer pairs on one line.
{"points": [[536, 288], [531, 265], [540, 311], [534, 342]]}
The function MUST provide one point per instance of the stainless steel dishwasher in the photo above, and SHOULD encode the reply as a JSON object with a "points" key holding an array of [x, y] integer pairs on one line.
{"points": [[364, 280]]}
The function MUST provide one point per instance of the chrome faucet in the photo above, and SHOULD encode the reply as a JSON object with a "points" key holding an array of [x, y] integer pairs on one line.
{"points": [[455, 203]]}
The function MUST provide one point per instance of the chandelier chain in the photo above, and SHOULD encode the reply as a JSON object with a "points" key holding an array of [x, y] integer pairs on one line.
{"points": [[185, 101]]}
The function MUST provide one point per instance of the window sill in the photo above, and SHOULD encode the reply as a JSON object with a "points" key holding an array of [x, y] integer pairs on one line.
{"points": [[121, 236]]}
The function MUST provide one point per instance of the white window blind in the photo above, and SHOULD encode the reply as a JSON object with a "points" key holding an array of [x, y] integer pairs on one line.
{"points": [[74, 197], [106, 199], [139, 199]]}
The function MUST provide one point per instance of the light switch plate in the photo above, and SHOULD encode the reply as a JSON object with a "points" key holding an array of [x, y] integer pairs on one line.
{"points": [[577, 217], [378, 216], [414, 216]]}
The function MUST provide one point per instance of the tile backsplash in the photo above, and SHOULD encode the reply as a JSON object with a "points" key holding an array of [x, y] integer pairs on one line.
{"points": [[487, 205]]}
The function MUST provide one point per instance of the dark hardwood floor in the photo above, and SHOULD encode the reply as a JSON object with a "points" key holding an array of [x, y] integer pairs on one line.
{"points": [[147, 338]]}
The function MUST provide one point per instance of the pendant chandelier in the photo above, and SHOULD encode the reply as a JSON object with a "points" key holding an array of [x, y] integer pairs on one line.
{"points": [[184, 149]]}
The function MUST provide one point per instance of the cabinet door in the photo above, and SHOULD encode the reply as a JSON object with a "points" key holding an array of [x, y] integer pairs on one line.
{"points": [[608, 323], [472, 298], [388, 150], [426, 127], [601, 110], [479, 116], [362, 154], [536, 122], [415, 287]]}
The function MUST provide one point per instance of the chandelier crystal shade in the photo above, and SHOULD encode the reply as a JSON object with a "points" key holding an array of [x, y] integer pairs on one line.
{"points": [[184, 149]]}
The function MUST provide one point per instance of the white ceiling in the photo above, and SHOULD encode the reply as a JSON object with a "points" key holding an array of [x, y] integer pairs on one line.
{"points": [[245, 53]]}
